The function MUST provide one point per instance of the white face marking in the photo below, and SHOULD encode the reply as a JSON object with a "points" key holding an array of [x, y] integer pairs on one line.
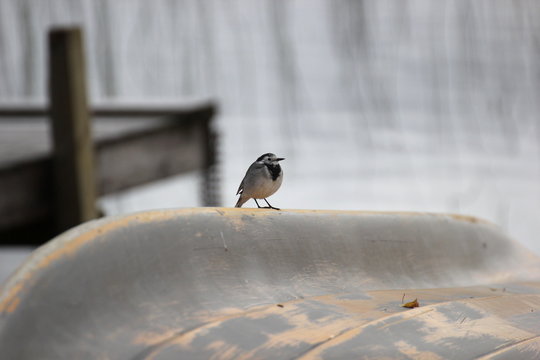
{"points": [[270, 160]]}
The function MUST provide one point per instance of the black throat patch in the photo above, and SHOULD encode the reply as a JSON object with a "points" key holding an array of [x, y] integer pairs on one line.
{"points": [[275, 170]]}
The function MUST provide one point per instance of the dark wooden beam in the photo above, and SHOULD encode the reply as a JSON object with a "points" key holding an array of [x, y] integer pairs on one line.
{"points": [[73, 153], [210, 188], [31, 110], [26, 192], [173, 148]]}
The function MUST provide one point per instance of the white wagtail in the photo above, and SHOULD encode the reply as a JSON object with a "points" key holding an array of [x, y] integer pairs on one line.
{"points": [[263, 178]]}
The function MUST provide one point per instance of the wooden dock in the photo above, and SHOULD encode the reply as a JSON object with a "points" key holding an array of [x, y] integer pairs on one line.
{"points": [[53, 169], [133, 145]]}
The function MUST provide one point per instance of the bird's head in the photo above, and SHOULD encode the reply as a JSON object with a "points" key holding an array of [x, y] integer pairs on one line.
{"points": [[269, 159]]}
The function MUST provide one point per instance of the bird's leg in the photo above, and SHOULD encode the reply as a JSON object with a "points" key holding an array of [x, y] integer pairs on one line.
{"points": [[270, 206], [257, 203]]}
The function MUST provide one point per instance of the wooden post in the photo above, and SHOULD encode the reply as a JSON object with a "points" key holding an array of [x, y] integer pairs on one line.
{"points": [[74, 180], [210, 188]]}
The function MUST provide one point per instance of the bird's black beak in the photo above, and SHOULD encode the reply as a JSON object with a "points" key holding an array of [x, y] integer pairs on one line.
{"points": [[279, 159]]}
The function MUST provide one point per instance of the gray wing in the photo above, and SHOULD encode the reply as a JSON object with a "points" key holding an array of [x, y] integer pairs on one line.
{"points": [[253, 169]]}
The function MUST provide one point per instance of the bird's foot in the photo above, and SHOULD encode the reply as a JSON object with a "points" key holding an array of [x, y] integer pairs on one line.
{"points": [[270, 207]]}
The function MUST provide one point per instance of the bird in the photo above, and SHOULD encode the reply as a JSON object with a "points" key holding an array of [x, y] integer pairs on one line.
{"points": [[262, 179]]}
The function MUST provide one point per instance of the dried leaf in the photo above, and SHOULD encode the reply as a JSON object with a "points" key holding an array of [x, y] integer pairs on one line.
{"points": [[411, 304]]}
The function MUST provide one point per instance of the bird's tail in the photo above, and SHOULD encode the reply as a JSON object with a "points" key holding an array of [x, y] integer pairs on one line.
{"points": [[240, 201]]}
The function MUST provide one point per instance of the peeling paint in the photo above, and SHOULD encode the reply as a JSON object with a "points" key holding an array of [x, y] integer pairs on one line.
{"points": [[293, 283]]}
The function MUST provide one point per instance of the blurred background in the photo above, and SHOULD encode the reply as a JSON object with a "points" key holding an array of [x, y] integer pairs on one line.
{"points": [[376, 105]]}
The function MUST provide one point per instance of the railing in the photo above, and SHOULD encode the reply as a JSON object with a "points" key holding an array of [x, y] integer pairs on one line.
{"points": [[47, 194]]}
